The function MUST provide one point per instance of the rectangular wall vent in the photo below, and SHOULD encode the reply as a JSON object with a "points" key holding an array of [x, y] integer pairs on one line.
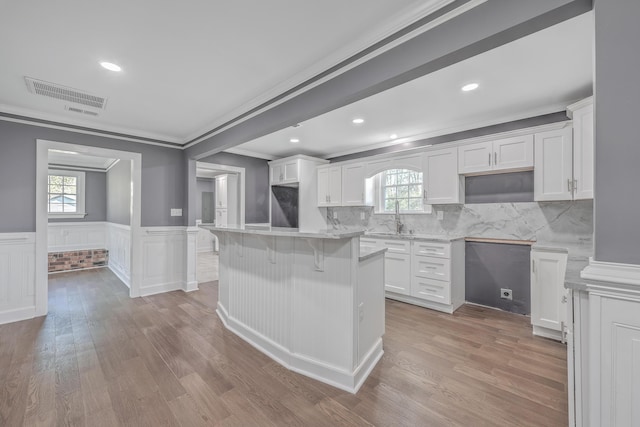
{"points": [[64, 93]]}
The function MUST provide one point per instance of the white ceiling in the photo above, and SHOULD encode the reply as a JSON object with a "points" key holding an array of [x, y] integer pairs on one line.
{"points": [[187, 66], [538, 74], [61, 158]]}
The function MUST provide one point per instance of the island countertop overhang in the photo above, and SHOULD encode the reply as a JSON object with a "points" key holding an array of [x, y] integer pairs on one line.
{"points": [[265, 230]]}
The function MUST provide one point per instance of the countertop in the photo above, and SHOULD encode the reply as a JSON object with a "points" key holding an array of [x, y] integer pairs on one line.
{"points": [[265, 230], [417, 237], [366, 252]]}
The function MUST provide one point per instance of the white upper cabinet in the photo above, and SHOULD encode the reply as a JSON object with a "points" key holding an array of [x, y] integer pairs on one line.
{"points": [[442, 183], [583, 164], [354, 186], [512, 154], [475, 158], [286, 172], [553, 173], [329, 186]]}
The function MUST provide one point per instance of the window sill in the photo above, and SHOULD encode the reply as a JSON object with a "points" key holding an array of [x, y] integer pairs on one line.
{"points": [[67, 215]]}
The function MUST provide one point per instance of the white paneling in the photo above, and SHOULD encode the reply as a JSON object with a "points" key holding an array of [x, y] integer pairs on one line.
{"points": [[273, 294], [75, 236], [163, 259], [17, 276], [119, 246]]}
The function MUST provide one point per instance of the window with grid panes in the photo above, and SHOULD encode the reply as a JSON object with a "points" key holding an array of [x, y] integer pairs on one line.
{"points": [[404, 187], [65, 193]]}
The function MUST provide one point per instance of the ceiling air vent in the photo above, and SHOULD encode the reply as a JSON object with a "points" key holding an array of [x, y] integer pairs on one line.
{"points": [[65, 93], [81, 111]]}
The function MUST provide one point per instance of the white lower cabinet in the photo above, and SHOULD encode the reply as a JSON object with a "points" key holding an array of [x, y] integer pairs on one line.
{"points": [[548, 294], [424, 273]]}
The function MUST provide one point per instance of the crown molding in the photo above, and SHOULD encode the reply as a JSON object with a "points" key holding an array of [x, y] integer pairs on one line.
{"points": [[9, 114]]}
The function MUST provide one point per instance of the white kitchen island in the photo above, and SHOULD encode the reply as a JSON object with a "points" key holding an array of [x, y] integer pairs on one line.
{"points": [[309, 300]]}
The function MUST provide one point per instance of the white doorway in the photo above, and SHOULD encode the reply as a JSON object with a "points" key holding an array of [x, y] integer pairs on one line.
{"points": [[220, 201], [133, 249]]}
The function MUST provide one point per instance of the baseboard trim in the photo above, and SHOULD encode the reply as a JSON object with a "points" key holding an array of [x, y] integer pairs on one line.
{"points": [[17, 314], [547, 333], [421, 303], [78, 269], [346, 380], [120, 274], [190, 286], [160, 288], [628, 274]]}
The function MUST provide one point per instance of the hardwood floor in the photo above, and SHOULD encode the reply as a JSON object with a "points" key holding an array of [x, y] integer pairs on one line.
{"points": [[102, 359]]}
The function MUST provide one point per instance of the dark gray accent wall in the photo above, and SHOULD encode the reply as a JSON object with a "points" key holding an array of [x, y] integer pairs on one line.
{"points": [[119, 193], [487, 26], [256, 184], [458, 136], [490, 267], [617, 139], [95, 201], [163, 174], [499, 188]]}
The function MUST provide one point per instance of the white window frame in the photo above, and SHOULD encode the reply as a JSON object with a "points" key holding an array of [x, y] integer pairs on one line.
{"points": [[379, 196], [80, 195]]}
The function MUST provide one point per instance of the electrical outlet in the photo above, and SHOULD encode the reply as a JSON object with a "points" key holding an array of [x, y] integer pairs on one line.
{"points": [[440, 214], [176, 212], [362, 216], [506, 294], [361, 311], [335, 215]]}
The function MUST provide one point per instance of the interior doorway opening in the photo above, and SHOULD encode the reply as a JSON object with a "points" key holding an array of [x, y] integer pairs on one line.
{"points": [[219, 202], [81, 221]]}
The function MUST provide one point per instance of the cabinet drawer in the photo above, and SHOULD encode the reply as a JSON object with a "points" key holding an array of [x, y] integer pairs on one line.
{"points": [[440, 250], [431, 268], [369, 243], [432, 290], [396, 246]]}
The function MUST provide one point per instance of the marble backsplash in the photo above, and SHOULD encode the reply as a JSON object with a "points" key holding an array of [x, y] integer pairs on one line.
{"points": [[563, 223]]}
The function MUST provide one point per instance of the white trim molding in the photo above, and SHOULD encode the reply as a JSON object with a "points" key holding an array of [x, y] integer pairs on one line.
{"points": [[612, 272]]}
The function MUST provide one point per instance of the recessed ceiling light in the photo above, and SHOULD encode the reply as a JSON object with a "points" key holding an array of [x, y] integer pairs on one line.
{"points": [[470, 86], [357, 121], [111, 66], [294, 140], [393, 136]]}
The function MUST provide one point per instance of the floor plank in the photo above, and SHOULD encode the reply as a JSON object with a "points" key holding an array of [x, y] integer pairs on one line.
{"points": [[102, 359]]}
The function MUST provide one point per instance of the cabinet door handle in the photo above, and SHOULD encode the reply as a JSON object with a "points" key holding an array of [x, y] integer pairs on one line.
{"points": [[495, 158], [569, 185], [575, 185], [533, 265], [489, 159]]}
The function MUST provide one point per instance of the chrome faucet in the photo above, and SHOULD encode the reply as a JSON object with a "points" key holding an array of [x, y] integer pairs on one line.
{"points": [[399, 224]]}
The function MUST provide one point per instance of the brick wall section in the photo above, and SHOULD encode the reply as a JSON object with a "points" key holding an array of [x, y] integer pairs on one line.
{"points": [[76, 260]]}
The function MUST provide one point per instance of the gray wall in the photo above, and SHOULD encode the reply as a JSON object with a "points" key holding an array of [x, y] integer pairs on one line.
{"points": [[617, 92], [163, 175], [489, 25], [119, 193], [95, 203], [203, 185], [256, 183]]}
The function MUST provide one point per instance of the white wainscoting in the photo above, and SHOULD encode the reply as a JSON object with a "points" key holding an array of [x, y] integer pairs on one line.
{"points": [[119, 245], [17, 276], [75, 236], [163, 259]]}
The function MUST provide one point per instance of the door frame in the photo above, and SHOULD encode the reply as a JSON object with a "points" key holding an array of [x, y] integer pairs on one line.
{"points": [[41, 255], [231, 169]]}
